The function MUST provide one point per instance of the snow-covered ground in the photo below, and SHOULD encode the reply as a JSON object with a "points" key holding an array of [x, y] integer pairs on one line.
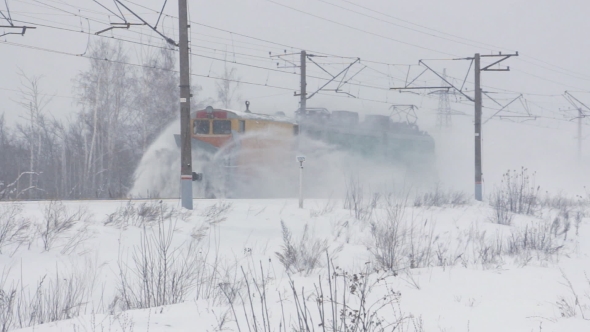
{"points": [[262, 265]]}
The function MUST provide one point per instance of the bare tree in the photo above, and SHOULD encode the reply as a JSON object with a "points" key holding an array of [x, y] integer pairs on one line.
{"points": [[121, 111], [105, 95], [156, 99], [228, 86], [35, 103]]}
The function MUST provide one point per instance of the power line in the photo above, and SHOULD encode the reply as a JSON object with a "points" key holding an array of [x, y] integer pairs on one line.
{"points": [[213, 58], [217, 59], [361, 30], [492, 47], [394, 24], [139, 65], [366, 8], [488, 46], [281, 45], [219, 78]]}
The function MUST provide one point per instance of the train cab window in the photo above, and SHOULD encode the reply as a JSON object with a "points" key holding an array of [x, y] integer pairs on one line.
{"points": [[201, 127], [242, 128], [221, 127]]}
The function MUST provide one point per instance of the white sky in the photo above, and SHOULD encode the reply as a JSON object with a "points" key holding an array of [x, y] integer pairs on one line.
{"points": [[549, 36]]}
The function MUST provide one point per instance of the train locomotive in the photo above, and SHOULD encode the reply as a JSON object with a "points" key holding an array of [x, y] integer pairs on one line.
{"points": [[245, 154], [377, 137]]}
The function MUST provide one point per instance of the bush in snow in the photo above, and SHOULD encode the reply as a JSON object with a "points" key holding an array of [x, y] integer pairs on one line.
{"points": [[13, 228], [144, 213], [159, 273], [338, 301], [302, 255], [439, 197], [517, 193], [64, 296], [57, 221], [401, 242], [217, 212], [355, 201], [572, 304]]}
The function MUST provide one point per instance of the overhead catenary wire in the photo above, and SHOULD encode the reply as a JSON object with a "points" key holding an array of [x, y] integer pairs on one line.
{"points": [[217, 59], [284, 45], [362, 30], [219, 78], [210, 57], [365, 60], [137, 65], [468, 41]]}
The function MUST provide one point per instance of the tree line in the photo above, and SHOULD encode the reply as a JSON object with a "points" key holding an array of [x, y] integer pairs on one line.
{"points": [[120, 110]]}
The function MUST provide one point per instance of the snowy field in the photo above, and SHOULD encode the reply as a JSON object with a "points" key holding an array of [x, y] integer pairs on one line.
{"points": [[429, 262]]}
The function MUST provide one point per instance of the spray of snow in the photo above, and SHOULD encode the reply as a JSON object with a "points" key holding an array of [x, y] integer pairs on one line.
{"points": [[327, 169], [158, 172]]}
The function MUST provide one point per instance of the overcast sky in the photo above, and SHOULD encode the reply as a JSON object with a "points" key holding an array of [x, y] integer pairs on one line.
{"points": [[386, 35]]}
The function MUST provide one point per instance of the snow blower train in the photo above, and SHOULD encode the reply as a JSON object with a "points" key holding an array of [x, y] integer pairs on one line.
{"points": [[233, 151]]}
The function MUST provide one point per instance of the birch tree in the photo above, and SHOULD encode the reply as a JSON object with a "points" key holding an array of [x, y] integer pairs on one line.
{"points": [[228, 86], [33, 130], [105, 95]]}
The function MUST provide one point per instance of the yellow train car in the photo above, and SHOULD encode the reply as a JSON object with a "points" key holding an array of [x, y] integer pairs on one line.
{"points": [[239, 152]]}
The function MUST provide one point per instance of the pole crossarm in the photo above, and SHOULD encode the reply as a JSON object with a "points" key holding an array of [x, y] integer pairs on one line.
{"points": [[280, 56], [407, 76], [504, 57], [168, 39], [125, 25], [503, 107], [333, 76], [572, 100], [446, 81], [310, 56], [22, 33], [528, 117], [421, 87], [340, 91], [342, 82], [8, 18], [487, 93], [467, 74]]}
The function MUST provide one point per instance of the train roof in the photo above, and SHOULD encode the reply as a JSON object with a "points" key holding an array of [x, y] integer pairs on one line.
{"points": [[253, 116]]}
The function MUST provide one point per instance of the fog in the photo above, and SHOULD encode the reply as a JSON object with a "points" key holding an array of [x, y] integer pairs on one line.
{"points": [[387, 36], [549, 154], [327, 171]]}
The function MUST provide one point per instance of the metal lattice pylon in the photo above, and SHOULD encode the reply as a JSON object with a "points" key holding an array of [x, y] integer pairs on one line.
{"points": [[443, 113]]}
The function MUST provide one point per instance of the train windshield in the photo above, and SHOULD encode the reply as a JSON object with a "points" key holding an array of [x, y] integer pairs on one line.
{"points": [[221, 127], [201, 127]]}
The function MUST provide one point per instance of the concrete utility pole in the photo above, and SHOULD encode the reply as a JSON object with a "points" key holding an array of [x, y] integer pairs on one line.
{"points": [[303, 102], [478, 171], [477, 99], [478, 106], [186, 170]]}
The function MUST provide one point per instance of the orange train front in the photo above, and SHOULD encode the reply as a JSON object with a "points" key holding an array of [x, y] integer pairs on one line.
{"points": [[241, 153]]}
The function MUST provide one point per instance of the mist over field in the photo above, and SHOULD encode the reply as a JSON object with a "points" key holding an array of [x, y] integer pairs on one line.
{"points": [[381, 230]]}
